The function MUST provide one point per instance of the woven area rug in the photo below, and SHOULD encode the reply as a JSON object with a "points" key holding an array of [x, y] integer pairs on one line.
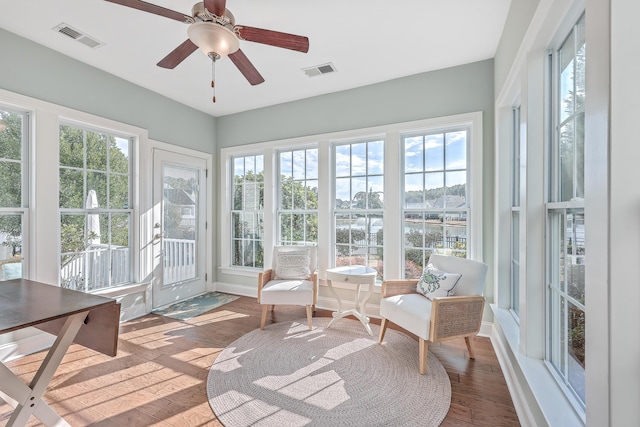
{"points": [[286, 375], [195, 306]]}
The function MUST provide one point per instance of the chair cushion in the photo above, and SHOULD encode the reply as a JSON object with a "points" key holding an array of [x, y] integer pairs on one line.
{"points": [[436, 283], [409, 311], [294, 292], [293, 264]]}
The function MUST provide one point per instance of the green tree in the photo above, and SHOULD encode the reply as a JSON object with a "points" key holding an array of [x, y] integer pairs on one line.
{"points": [[11, 125], [298, 227]]}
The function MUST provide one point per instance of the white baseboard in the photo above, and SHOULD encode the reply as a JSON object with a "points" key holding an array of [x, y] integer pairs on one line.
{"points": [[25, 346]]}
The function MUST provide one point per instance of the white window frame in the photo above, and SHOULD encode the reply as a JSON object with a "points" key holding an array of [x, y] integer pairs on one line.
{"points": [[104, 210], [515, 218], [23, 210], [556, 209], [255, 213], [445, 210], [305, 211], [392, 210]]}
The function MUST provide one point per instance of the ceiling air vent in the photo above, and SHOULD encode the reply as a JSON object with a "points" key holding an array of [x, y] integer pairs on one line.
{"points": [[319, 70], [77, 35]]}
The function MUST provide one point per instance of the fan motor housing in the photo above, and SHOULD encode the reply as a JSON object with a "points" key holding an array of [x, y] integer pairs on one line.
{"points": [[200, 13]]}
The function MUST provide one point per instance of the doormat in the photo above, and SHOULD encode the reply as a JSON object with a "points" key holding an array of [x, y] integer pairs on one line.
{"points": [[195, 306]]}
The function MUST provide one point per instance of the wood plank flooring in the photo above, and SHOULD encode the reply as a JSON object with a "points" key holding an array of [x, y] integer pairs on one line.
{"points": [[159, 376]]}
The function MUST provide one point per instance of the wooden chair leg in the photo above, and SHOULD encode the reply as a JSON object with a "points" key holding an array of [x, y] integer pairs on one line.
{"points": [[383, 329], [424, 351], [309, 316], [264, 316], [469, 341]]}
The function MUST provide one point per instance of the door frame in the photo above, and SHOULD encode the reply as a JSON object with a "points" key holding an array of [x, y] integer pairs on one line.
{"points": [[147, 211]]}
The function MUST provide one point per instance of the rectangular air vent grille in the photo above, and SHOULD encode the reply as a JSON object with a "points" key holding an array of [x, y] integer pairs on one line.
{"points": [[77, 35], [319, 70]]}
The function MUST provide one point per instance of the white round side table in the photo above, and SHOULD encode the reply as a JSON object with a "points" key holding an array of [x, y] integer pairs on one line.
{"points": [[355, 275]]}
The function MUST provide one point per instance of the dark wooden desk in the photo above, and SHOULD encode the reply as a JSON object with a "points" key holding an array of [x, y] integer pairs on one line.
{"points": [[73, 316]]}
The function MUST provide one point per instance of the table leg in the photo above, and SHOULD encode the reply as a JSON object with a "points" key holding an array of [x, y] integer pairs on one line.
{"points": [[30, 398], [336, 314]]}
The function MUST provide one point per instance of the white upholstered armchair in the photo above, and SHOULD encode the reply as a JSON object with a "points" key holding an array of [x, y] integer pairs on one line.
{"points": [[292, 280], [441, 317]]}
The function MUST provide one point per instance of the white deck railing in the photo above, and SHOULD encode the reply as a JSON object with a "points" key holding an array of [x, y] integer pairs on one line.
{"points": [[101, 266]]}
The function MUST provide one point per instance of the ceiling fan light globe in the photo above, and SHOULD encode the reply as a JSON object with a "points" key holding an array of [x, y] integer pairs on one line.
{"points": [[212, 37]]}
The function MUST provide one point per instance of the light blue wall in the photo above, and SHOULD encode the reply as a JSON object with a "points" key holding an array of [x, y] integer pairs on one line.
{"points": [[33, 70], [456, 90]]}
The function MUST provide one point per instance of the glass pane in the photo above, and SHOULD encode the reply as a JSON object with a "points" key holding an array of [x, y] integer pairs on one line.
{"points": [[413, 154], [98, 181], [566, 64], [10, 247], [359, 193], [434, 152], [375, 195], [299, 165], [343, 193], [579, 152], [238, 169], [11, 184], [376, 157], [456, 154], [72, 234], [286, 193], [359, 159], [286, 167], [343, 160], [285, 228], [71, 146], [180, 204], [250, 168], [259, 165], [10, 135], [312, 164], [567, 159], [580, 64], [97, 151], [119, 192], [413, 263], [575, 265], [456, 191], [299, 195], [71, 189], [576, 348], [311, 228], [456, 234], [434, 186], [312, 194], [413, 190], [119, 155]]}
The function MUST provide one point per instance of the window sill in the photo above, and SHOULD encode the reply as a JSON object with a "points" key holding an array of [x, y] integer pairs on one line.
{"points": [[527, 376]]}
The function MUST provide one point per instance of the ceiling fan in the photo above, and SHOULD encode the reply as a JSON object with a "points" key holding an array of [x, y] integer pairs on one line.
{"points": [[212, 28]]}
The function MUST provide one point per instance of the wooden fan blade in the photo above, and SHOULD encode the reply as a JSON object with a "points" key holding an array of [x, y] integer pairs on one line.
{"points": [[217, 7], [152, 8], [178, 55], [273, 38], [246, 67]]}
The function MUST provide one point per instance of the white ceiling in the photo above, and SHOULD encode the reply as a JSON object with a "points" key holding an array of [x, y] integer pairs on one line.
{"points": [[368, 41]]}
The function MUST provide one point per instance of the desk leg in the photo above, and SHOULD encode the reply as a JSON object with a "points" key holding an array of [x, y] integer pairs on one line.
{"points": [[32, 403], [363, 307]]}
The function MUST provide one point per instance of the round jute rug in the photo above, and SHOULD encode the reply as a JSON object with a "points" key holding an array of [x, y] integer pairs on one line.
{"points": [[286, 375]]}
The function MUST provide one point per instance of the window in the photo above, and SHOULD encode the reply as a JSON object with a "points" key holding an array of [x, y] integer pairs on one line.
{"points": [[515, 213], [566, 216], [95, 208], [359, 203], [247, 213], [435, 204], [14, 127], [298, 208]]}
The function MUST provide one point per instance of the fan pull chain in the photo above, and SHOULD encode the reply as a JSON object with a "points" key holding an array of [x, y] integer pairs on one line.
{"points": [[213, 78], [214, 56]]}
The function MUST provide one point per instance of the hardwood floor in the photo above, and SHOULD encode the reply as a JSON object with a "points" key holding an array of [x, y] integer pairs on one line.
{"points": [[159, 376]]}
